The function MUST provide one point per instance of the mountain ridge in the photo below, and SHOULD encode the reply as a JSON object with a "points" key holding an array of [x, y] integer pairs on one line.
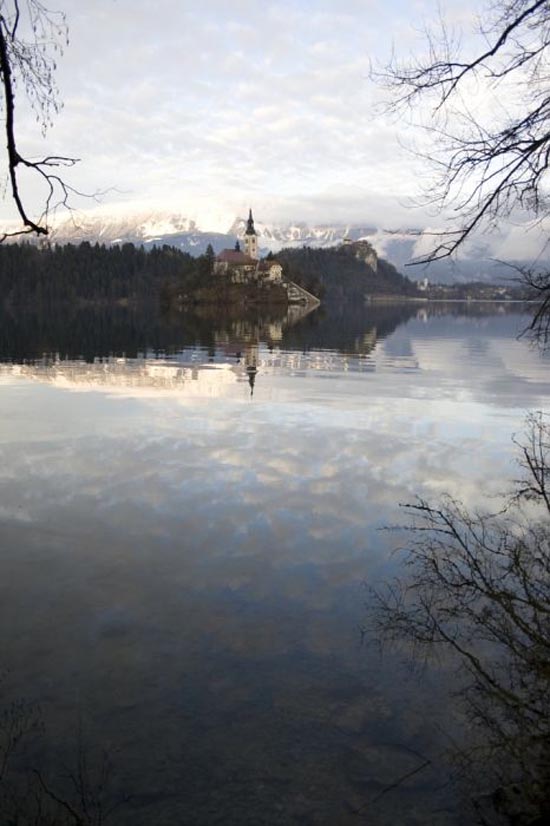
{"points": [[193, 234]]}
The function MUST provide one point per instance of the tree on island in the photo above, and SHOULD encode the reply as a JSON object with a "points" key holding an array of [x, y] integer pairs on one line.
{"points": [[210, 259], [31, 39]]}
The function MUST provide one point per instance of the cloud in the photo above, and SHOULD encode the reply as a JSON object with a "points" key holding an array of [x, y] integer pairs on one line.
{"points": [[214, 105], [249, 101]]}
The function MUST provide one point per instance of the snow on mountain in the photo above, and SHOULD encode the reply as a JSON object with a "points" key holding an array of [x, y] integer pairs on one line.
{"points": [[111, 229], [148, 227], [193, 232], [276, 236]]}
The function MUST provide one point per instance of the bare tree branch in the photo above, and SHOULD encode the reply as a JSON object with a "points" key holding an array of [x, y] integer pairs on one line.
{"points": [[486, 167], [477, 591], [29, 63]]}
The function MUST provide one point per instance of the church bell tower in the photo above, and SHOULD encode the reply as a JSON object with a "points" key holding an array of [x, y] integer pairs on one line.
{"points": [[250, 238]]}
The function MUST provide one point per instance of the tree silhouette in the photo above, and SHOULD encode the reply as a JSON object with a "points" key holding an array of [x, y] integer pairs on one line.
{"points": [[31, 37], [476, 591], [492, 157], [210, 258]]}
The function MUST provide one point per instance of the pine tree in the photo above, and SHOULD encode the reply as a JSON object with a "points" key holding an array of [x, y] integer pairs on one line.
{"points": [[210, 257]]}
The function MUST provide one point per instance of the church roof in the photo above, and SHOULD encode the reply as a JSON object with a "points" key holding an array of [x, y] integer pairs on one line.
{"points": [[235, 257]]}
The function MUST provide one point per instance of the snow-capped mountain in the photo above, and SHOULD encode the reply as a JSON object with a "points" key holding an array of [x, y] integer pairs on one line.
{"points": [[119, 228], [276, 236], [193, 234], [187, 233]]}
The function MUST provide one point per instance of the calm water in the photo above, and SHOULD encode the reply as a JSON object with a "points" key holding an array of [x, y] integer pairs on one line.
{"points": [[190, 510]]}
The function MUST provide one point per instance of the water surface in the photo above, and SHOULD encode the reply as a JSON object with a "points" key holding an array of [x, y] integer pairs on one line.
{"points": [[190, 510]]}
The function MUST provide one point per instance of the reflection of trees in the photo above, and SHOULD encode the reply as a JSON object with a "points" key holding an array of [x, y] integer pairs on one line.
{"points": [[357, 329], [348, 329], [83, 795], [91, 333], [478, 590]]}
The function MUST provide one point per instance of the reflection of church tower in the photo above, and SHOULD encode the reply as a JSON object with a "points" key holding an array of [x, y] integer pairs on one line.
{"points": [[251, 372], [250, 238], [251, 363]]}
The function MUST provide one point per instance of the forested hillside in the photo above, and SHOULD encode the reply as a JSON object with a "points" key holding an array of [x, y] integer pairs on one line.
{"points": [[95, 273], [346, 273]]}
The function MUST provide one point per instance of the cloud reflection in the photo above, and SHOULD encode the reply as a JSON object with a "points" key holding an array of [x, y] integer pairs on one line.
{"points": [[188, 563]]}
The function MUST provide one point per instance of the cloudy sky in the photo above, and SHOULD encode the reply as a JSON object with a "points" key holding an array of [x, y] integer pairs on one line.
{"points": [[210, 106]]}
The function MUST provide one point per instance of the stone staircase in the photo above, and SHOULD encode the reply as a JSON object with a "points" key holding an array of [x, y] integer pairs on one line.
{"points": [[297, 294]]}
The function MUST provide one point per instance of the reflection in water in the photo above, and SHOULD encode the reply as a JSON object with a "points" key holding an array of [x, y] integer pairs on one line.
{"points": [[182, 566], [90, 334], [476, 347]]}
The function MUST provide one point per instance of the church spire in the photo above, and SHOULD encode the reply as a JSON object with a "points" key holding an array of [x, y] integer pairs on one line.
{"points": [[251, 238], [250, 224]]}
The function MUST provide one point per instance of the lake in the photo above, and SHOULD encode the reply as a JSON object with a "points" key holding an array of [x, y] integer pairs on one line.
{"points": [[191, 511]]}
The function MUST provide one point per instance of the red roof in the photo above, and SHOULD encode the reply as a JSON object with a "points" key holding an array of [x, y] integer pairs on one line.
{"points": [[235, 257]]}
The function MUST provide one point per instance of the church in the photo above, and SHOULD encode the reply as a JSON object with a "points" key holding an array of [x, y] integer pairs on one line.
{"points": [[244, 265]]}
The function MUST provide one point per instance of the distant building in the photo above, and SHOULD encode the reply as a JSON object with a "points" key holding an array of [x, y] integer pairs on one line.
{"points": [[245, 266], [241, 266], [270, 269], [250, 238], [362, 250]]}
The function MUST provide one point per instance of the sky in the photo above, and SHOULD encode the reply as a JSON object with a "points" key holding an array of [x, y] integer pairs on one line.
{"points": [[208, 107]]}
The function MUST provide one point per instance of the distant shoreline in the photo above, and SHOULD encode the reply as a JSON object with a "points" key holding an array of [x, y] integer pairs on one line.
{"points": [[414, 299]]}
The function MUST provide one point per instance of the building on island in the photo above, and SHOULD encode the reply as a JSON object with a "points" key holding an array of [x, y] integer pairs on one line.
{"points": [[270, 269], [251, 238], [240, 266], [244, 266]]}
